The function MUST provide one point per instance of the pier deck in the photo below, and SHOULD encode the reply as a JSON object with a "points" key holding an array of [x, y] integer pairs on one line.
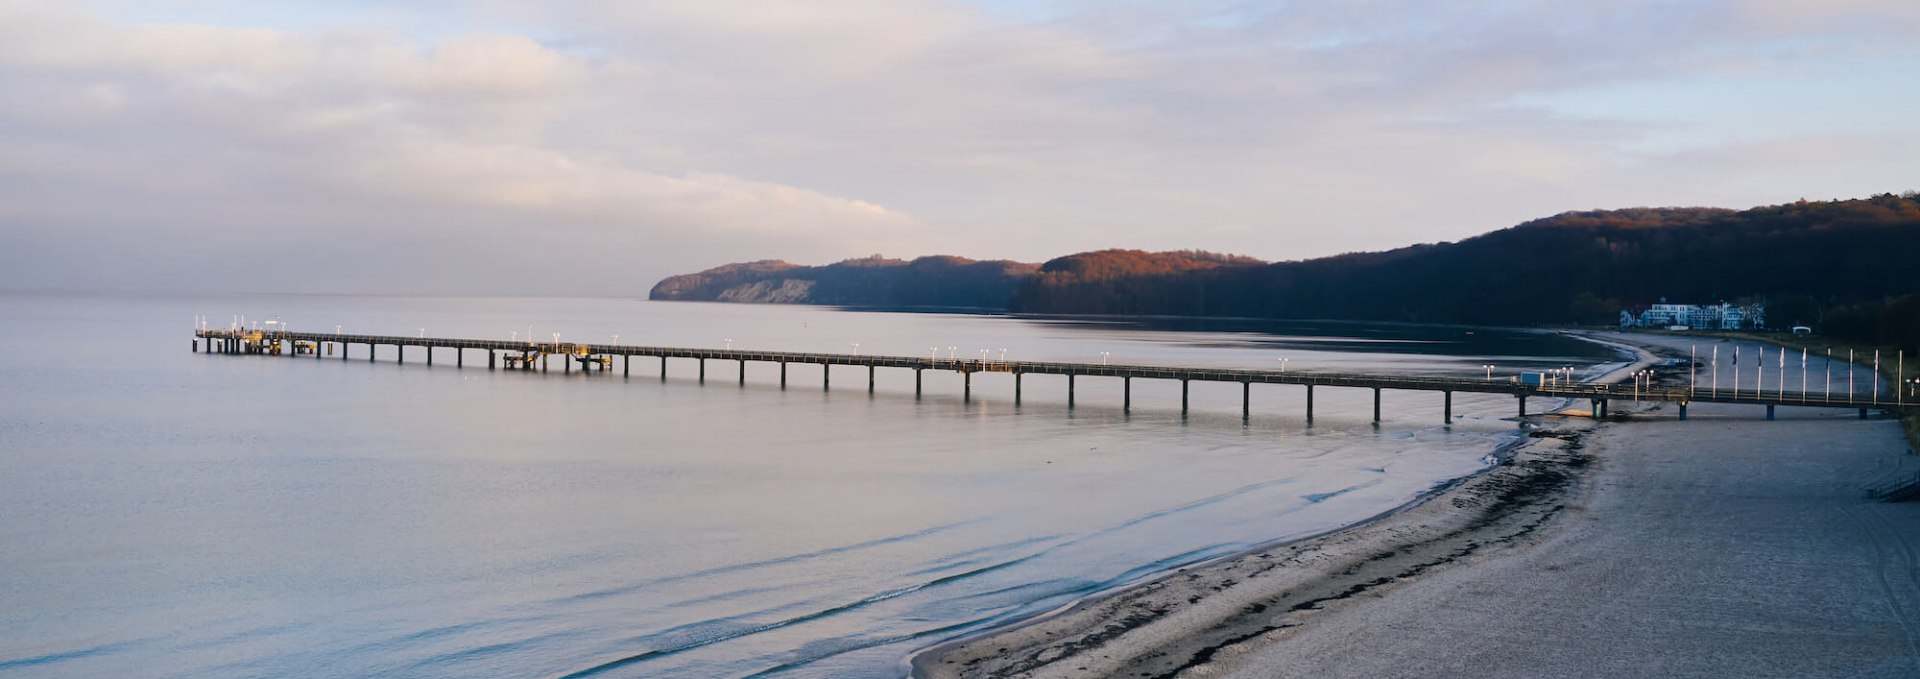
{"points": [[523, 355]]}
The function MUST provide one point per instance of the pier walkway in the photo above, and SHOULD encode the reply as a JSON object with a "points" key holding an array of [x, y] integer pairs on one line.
{"points": [[523, 355]]}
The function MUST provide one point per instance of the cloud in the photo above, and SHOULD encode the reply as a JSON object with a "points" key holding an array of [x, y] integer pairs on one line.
{"points": [[599, 145]]}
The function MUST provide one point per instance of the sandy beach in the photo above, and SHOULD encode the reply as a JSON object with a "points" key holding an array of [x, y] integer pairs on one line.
{"points": [[1725, 545]]}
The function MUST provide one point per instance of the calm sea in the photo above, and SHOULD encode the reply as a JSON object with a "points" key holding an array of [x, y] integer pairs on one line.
{"points": [[165, 513]]}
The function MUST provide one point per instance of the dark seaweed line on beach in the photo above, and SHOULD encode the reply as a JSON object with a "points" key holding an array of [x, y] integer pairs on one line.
{"points": [[1500, 497], [1539, 479]]}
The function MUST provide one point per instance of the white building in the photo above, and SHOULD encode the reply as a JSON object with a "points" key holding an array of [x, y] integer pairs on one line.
{"points": [[1722, 316]]}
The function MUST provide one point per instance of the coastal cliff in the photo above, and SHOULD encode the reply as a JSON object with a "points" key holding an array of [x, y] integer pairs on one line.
{"points": [[944, 282]]}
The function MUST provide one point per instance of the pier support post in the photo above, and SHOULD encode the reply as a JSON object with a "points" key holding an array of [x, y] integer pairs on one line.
{"points": [[1246, 401], [1376, 405], [459, 357], [399, 354], [546, 365], [429, 349], [490, 359], [783, 374], [870, 370], [1683, 411], [1016, 388], [1069, 391], [966, 391], [626, 365], [663, 367], [196, 345], [703, 371], [1447, 410], [1126, 394], [1769, 412], [371, 351], [743, 372], [916, 383], [1309, 404], [1183, 399], [1523, 405]]}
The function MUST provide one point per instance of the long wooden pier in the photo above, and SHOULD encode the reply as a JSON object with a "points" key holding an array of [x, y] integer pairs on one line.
{"points": [[524, 355]]}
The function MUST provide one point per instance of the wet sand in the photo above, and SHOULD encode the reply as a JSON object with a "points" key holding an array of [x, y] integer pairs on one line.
{"points": [[1720, 546]]}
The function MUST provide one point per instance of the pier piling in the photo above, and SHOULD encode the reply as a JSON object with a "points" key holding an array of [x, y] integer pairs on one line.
{"points": [[1376, 405], [1069, 391], [1446, 412]]}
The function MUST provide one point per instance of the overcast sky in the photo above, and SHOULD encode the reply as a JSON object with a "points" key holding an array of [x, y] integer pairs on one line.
{"points": [[592, 147]]}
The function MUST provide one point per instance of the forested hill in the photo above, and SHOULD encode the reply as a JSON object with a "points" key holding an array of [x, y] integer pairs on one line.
{"points": [[1808, 260], [874, 281]]}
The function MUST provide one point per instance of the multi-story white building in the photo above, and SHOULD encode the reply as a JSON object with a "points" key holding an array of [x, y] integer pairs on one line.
{"points": [[1722, 316]]}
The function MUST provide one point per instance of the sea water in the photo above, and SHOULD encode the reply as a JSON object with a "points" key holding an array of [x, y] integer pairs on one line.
{"points": [[167, 513]]}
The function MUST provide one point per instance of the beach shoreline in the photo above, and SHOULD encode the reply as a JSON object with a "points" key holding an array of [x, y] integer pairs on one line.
{"points": [[1177, 620]]}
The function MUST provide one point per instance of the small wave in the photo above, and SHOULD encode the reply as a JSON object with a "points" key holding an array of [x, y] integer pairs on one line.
{"points": [[63, 656], [749, 630], [751, 565], [477, 652], [1317, 498], [850, 644]]}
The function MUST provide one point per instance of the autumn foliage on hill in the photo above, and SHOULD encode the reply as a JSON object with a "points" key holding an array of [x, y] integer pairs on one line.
{"points": [[1124, 281]]}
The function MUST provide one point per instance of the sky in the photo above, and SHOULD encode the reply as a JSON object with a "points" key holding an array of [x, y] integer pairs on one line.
{"points": [[592, 147]]}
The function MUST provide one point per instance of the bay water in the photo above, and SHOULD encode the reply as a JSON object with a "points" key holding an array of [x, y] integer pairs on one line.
{"points": [[167, 513]]}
